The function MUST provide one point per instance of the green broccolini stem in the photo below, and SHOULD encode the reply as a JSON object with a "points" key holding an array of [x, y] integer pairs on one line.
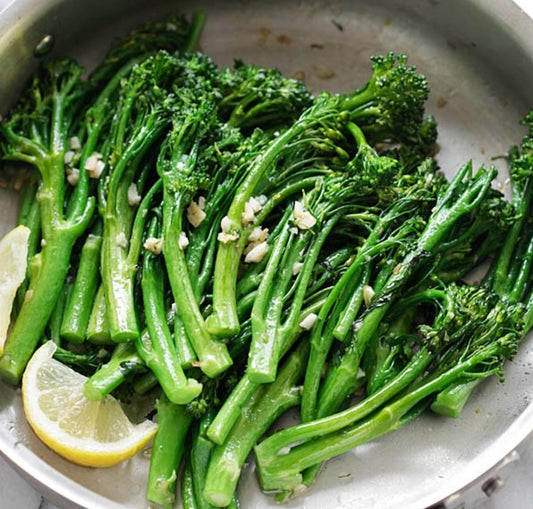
{"points": [[224, 321], [146, 382], [212, 354], [159, 352], [98, 326], [124, 361], [188, 497], [230, 411], [40, 301], [284, 471], [78, 308], [184, 349], [265, 406], [451, 401], [169, 445], [54, 325], [195, 31]]}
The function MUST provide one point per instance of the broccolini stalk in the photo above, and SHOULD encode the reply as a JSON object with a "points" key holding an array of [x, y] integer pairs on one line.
{"points": [[79, 304], [460, 199], [391, 228], [177, 166], [200, 453], [188, 497], [38, 132], [158, 350], [173, 34], [198, 462], [383, 358], [299, 245], [125, 361], [143, 114], [483, 336], [265, 406], [98, 326], [84, 362], [168, 448], [54, 325], [521, 168], [390, 107], [510, 273], [231, 409]]}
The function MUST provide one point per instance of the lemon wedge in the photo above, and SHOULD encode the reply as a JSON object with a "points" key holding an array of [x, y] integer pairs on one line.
{"points": [[89, 433], [13, 264]]}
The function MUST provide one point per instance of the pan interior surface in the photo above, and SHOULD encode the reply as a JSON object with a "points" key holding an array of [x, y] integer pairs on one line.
{"points": [[477, 68]]}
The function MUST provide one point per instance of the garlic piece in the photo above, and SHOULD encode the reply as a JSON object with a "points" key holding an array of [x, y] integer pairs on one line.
{"points": [[258, 234], [73, 176], [134, 198], [296, 268], [94, 165], [195, 214], [154, 245], [257, 253], [309, 321], [69, 156], [304, 219], [368, 294], [183, 241], [75, 143]]}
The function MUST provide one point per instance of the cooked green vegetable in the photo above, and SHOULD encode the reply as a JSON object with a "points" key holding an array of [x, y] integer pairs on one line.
{"points": [[257, 248]]}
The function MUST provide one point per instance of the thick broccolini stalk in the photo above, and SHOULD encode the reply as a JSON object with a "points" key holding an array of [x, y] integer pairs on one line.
{"points": [[265, 406], [168, 448], [38, 132], [388, 108], [81, 298]]}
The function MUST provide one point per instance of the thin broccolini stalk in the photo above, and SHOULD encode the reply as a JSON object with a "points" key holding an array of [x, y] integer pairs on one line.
{"points": [[143, 114], [188, 497], [482, 334], [347, 296], [510, 273], [168, 449], [301, 240], [177, 166], [230, 410], [459, 199], [265, 406], [158, 350], [38, 132]]}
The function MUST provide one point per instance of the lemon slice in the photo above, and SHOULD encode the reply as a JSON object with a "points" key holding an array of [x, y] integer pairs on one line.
{"points": [[89, 433], [13, 264]]}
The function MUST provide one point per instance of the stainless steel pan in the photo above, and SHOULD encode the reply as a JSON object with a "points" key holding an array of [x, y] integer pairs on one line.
{"points": [[478, 57]]}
